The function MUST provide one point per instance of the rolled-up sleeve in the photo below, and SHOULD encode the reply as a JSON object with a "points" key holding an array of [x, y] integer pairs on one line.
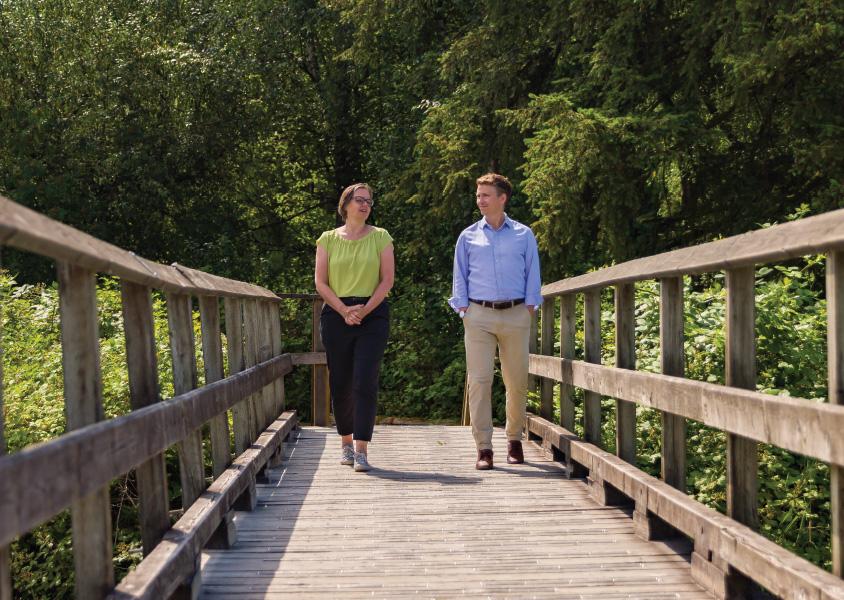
{"points": [[460, 275], [533, 284]]}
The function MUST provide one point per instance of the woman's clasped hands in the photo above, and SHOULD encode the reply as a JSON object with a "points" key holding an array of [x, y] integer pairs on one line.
{"points": [[353, 315]]}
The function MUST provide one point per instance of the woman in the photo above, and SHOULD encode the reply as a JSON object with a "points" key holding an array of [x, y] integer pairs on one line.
{"points": [[354, 272]]}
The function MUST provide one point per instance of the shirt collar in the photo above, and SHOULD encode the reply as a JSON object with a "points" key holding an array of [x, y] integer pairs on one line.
{"points": [[507, 223]]}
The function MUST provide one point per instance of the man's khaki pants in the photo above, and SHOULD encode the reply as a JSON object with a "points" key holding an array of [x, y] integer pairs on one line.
{"points": [[509, 329]]}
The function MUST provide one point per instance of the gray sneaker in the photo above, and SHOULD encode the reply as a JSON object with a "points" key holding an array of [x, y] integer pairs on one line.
{"points": [[361, 464], [348, 456]]}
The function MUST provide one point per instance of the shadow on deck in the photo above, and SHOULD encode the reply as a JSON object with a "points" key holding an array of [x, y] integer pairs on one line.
{"points": [[425, 523]]}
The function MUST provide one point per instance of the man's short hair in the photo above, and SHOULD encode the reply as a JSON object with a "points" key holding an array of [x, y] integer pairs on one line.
{"points": [[501, 183]]}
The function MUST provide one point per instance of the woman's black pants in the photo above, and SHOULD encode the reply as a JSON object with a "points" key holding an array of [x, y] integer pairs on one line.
{"points": [[354, 354]]}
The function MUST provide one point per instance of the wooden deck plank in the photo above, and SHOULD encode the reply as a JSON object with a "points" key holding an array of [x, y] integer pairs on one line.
{"points": [[425, 523]]}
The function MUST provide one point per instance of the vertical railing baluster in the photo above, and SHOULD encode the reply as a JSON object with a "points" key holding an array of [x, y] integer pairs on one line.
{"points": [[91, 515], [592, 335], [275, 332], [568, 326], [547, 385], [742, 460], [183, 349], [672, 362], [212, 358], [142, 366], [251, 349], [320, 402], [835, 365], [265, 352], [5, 554], [625, 358], [241, 417]]}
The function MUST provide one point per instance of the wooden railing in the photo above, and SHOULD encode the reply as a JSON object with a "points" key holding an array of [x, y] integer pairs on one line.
{"points": [[727, 550], [75, 469]]}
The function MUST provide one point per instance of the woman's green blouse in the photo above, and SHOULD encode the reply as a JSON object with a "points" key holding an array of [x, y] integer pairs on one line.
{"points": [[354, 266]]}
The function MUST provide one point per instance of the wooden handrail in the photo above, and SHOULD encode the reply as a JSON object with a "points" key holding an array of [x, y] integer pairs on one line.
{"points": [[812, 235], [28, 230]]}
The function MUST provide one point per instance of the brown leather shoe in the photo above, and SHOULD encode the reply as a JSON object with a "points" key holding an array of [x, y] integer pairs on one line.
{"points": [[515, 455], [484, 460]]}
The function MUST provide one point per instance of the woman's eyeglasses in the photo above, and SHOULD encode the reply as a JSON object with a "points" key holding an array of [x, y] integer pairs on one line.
{"points": [[362, 200]]}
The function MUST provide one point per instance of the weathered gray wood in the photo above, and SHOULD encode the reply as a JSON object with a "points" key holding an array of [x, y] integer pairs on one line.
{"points": [[212, 358], [275, 331], [183, 350], [5, 556], [171, 563], [39, 481], [83, 396], [742, 460], [672, 362], [592, 342], [568, 327], [835, 366], [533, 344], [778, 570], [241, 413], [142, 365], [251, 349], [811, 235], [28, 230], [795, 424], [547, 386], [625, 358], [320, 397], [265, 352]]}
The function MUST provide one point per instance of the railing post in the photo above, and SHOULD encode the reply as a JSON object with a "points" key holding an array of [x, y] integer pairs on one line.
{"points": [[625, 358], [835, 365], [251, 349], [241, 417], [265, 353], [320, 403], [275, 333], [91, 516], [568, 326], [212, 358], [142, 367], [592, 335], [547, 385], [183, 350], [5, 556], [672, 362], [742, 460]]}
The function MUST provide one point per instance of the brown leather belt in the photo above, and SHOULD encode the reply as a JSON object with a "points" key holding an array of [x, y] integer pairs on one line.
{"points": [[499, 305]]}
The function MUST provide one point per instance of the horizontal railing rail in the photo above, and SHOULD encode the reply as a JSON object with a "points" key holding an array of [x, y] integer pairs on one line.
{"points": [[75, 470], [729, 553]]}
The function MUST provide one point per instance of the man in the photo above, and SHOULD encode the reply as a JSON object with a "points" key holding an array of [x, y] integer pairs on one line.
{"points": [[495, 289]]}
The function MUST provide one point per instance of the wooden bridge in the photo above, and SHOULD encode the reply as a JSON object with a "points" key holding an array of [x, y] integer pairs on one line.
{"points": [[282, 518]]}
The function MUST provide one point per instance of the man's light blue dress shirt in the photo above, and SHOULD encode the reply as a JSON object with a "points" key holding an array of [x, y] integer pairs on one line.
{"points": [[496, 264]]}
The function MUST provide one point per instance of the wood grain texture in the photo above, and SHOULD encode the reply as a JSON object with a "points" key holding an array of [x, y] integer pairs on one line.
{"points": [[625, 358], [672, 361], [275, 333], [28, 230], [142, 366], [183, 351], [427, 524], [778, 570], [41, 480], [241, 411], [740, 363], [795, 424], [83, 399], [592, 344], [812, 235], [547, 341], [835, 369], [568, 329], [175, 559], [212, 359], [320, 394], [251, 346]]}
